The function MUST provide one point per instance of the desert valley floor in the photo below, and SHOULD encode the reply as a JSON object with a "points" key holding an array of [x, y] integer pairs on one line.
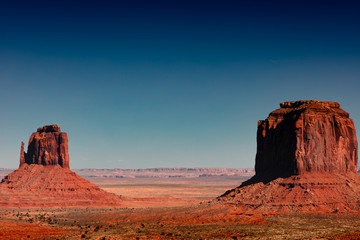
{"points": [[182, 207]]}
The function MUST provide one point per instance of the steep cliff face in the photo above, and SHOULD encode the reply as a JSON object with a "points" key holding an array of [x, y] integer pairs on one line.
{"points": [[306, 136], [48, 146], [306, 161]]}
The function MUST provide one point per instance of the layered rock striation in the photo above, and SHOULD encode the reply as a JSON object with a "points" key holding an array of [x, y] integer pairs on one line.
{"points": [[48, 146], [306, 160], [52, 186]]}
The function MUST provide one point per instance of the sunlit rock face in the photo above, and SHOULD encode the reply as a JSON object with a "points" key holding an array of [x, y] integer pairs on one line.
{"points": [[306, 136], [48, 146]]}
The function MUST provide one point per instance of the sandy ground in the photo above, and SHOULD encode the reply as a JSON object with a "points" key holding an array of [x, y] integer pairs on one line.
{"points": [[171, 209], [170, 223], [201, 188]]}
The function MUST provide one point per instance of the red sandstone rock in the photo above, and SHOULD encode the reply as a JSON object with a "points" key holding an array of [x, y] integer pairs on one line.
{"points": [[306, 136], [22, 154], [45, 180], [308, 192], [306, 161], [47, 146], [52, 186]]}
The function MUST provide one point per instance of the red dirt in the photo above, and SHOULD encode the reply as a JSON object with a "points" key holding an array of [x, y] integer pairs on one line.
{"points": [[51, 186], [23, 230], [320, 193]]}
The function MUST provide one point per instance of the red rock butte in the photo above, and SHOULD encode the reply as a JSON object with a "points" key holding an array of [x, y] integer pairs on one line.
{"points": [[48, 146], [306, 160], [44, 179], [306, 136]]}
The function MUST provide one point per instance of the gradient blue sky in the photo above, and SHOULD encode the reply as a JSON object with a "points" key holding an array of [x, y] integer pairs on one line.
{"points": [[169, 83]]}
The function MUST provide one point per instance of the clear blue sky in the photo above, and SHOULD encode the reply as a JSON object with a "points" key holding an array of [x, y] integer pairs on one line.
{"points": [[169, 83]]}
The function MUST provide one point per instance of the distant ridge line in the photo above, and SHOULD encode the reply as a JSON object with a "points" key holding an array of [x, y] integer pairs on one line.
{"points": [[166, 168], [167, 172]]}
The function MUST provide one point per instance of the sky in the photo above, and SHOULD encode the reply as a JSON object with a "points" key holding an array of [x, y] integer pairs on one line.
{"points": [[142, 84]]}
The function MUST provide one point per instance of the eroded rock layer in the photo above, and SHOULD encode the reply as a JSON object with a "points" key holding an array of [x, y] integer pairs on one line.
{"points": [[306, 136], [51, 186], [321, 193], [48, 146], [306, 161], [45, 180]]}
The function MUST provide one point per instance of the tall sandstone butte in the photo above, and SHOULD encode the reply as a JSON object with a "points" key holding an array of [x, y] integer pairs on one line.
{"points": [[305, 162], [306, 136], [48, 146]]}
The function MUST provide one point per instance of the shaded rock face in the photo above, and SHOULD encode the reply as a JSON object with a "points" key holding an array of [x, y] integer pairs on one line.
{"points": [[48, 146], [306, 136], [306, 162]]}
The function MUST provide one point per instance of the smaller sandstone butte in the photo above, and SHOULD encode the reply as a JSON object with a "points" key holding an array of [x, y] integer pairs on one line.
{"points": [[44, 178], [306, 160], [48, 146], [306, 136]]}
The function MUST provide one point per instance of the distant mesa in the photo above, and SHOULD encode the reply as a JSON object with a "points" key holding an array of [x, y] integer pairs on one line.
{"points": [[45, 180], [306, 160], [48, 146]]}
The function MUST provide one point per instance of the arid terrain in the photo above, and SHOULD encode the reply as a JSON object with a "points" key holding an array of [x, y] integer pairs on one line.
{"points": [[195, 120], [182, 183], [305, 185], [171, 208], [170, 223]]}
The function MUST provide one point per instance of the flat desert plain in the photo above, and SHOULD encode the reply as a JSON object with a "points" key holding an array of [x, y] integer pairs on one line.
{"points": [[202, 188], [182, 207]]}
